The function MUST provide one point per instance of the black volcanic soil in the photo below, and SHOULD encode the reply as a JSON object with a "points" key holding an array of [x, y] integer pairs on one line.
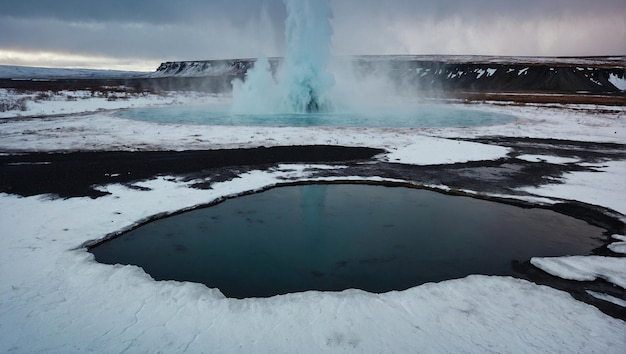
{"points": [[74, 174], [71, 174]]}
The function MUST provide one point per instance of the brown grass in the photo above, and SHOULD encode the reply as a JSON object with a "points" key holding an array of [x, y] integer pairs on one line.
{"points": [[541, 97]]}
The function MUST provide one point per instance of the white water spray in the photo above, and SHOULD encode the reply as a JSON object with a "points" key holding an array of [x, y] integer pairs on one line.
{"points": [[303, 84]]}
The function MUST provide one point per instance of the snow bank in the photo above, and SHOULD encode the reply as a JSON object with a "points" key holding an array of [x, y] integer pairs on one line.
{"points": [[585, 268], [606, 297], [605, 187], [618, 247], [433, 151]]}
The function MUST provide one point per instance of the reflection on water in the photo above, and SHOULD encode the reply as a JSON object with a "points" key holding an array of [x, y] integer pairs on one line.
{"points": [[335, 237]]}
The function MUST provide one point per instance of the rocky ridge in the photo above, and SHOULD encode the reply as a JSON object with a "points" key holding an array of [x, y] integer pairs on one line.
{"points": [[599, 75]]}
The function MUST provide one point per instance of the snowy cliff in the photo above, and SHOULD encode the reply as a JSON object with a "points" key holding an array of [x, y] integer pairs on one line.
{"points": [[203, 68], [474, 73]]}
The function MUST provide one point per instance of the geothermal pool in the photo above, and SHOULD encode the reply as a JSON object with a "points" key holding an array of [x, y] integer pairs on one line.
{"points": [[411, 116], [340, 236]]}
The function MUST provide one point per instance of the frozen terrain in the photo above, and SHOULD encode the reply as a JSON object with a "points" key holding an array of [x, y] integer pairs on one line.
{"points": [[21, 72], [56, 299]]}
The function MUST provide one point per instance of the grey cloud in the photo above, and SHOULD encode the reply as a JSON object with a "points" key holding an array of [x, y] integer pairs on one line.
{"points": [[165, 10], [240, 11], [155, 29], [141, 11], [149, 41], [530, 27], [478, 8], [207, 29]]}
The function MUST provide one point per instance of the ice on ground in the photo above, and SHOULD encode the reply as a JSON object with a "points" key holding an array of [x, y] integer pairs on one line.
{"points": [[606, 297], [433, 151], [606, 188], [29, 72], [547, 158], [619, 82], [81, 101], [619, 237], [618, 247], [585, 268], [579, 122], [102, 131]]}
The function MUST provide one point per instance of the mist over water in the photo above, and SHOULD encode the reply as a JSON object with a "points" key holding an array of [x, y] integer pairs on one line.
{"points": [[303, 84], [305, 74], [310, 87]]}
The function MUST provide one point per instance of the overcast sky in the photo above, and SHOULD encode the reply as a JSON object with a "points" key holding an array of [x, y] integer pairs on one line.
{"points": [[139, 34]]}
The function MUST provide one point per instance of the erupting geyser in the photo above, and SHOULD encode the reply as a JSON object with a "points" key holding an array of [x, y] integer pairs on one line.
{"points": [[305, 75], [303, 84]]}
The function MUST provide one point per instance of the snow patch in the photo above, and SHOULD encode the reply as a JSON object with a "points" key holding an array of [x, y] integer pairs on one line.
{"points": [[618, 247], [193, 69], [29, 72], [619, 82], [547, 158], [606, 297], [84, 101], [595, 81], [436, 151], [585, 268], [455, 74], [605, 187]]}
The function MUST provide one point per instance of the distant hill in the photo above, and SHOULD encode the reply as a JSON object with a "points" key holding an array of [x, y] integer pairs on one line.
{"points": [[590, 80], [468, 73], [29, 73]]}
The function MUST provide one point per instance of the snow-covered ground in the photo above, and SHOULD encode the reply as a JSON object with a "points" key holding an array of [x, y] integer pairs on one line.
{"points": [[47, 103], [54, 297], [28, 72]]}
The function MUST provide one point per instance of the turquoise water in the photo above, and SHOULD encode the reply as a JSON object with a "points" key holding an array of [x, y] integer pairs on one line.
{"points": [[415, 116], [336, 237]]}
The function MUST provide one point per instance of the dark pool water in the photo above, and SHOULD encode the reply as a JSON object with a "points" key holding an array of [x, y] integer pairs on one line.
{"points": [[336, 237], [415, 116]]}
